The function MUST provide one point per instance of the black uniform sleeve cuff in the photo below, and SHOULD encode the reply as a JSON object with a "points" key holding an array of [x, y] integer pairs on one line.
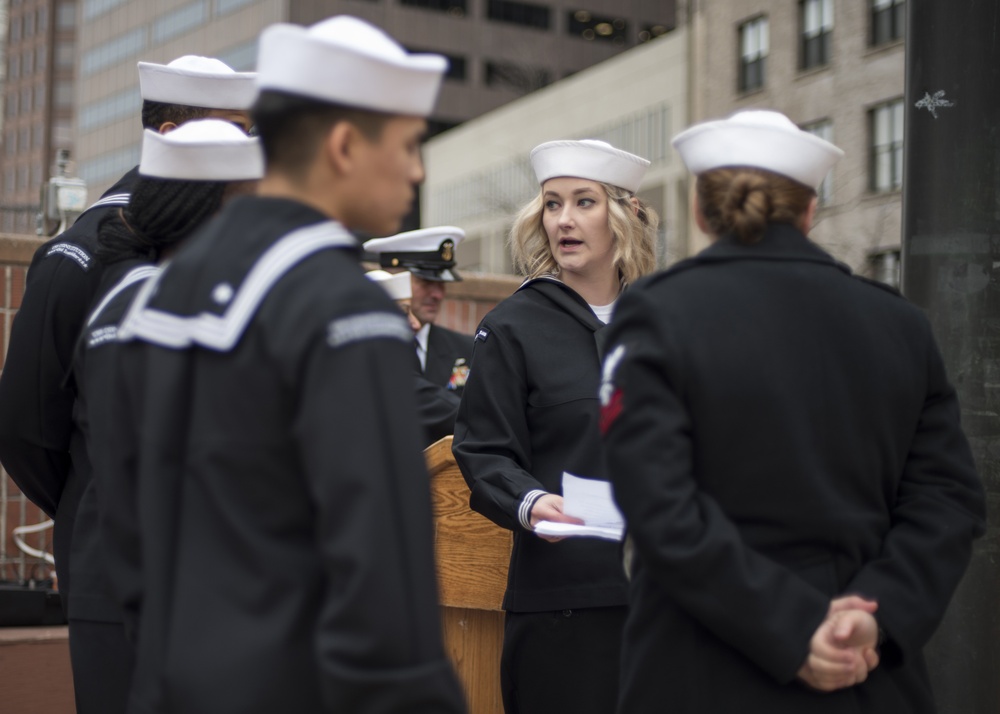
{"points": [[527, 503]]}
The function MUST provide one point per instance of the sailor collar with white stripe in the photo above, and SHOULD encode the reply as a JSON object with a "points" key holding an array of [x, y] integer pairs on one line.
{"points": [[222, 332], [133, 276]]}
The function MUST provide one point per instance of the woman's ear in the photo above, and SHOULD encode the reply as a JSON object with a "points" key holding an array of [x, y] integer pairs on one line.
{"points": [[167, 126], [635, 205], [807, 218], [339, 146]]}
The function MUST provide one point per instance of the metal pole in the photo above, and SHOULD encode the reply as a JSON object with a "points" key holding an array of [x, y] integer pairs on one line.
{"points": [[951, 268]]}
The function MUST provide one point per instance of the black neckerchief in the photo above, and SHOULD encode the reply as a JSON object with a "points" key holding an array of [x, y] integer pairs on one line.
{"points": [[561, 294]]}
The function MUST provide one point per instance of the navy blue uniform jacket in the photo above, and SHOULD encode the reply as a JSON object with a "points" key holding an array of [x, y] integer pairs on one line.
{"points": [[780, 433]]}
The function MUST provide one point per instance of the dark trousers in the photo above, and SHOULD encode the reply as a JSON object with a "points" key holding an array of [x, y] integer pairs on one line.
{"points": [[563, 661], [102, 666]]}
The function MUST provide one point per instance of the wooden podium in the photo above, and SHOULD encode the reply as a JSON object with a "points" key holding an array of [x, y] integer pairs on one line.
{"points": [[472, 558]]}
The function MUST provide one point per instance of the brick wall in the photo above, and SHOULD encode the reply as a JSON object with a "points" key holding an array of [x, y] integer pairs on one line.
{"points": [[468, 301], [15, 509]]}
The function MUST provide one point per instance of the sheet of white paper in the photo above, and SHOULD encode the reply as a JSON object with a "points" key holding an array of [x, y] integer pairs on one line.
{"points": [[563, 530], [590, 501]]}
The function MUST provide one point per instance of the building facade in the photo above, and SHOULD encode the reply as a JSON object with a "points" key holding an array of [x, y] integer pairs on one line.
{"points": [[39, 96], [835, 67], [478, 175], [498, 51]]}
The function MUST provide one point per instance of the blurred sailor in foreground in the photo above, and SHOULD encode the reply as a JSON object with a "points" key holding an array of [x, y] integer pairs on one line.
{"points": [[284, 502], [786, 449]]}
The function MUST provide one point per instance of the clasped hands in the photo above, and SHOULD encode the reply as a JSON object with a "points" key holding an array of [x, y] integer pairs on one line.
{"points": [[842, 651]]}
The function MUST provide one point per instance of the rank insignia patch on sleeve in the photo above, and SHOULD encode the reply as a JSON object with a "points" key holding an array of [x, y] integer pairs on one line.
{"points": [[610, 394]]}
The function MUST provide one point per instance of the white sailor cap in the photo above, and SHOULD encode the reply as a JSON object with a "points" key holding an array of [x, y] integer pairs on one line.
{"points": [[758, 139], [197, 82], [428, 253], [588, 159], [346, 61], [202, 150], [397, 285]]}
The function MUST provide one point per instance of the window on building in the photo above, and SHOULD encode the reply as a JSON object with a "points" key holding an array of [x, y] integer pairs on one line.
{"points": [[43, 19], [437, 126], [15, 28], [824, 130], [582, 23], [12, 104], [885, 266], [888, 21], [28, 63], [93, 8], [65, 54], [62, 94], [38, 136], [817, 28], [650, 31], [40, 97], [179, 21], [452, 7], [519, 13], [14, 67], [66, 15], [26, 97], [515, 76], [886, 122], [456, 64], [61, 133], [754, 43], [456, 68], [223, 7], [29, 24], [10, 143], [114, 50], [41, 55], [242, 58]]}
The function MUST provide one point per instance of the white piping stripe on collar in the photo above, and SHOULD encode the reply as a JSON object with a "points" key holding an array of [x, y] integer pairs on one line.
{"points": [[221, 333], [133, 276], [115, 199]]}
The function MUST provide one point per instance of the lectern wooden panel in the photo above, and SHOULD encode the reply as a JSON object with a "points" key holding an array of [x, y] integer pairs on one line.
{"points": [[472, 559]]}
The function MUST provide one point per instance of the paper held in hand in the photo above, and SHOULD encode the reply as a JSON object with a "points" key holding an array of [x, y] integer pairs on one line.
{"points": [[590, 501]]}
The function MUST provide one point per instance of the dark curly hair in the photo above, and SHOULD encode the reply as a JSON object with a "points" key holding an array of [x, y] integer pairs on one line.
{"points": [[159, 214], [156, 114]]}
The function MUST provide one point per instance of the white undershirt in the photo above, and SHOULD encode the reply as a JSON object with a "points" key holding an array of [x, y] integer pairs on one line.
{"points": [[603, 312]]}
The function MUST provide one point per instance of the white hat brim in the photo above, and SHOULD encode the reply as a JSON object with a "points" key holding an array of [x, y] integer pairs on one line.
{"points": [[591, 160], [211, 90], [207, 158], [725, 143], [294, 61], [398, 285]]}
